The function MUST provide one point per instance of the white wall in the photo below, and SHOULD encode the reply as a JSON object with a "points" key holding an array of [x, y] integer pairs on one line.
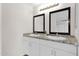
{"points": [[60, 6], [77, 21], [17, 19], [0, 27]]}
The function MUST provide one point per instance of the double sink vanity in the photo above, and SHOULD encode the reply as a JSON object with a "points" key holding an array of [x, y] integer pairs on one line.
{"points": [[50, 45]]}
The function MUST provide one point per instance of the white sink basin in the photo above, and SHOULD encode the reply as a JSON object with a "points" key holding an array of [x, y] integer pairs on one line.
{"points": [[55, 38], [34, 35]]}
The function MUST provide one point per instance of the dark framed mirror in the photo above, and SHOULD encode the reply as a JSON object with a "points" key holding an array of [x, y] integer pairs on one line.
{"points": [[39, 23], [59, 21]]}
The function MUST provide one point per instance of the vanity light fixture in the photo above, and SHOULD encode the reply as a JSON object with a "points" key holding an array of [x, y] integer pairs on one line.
{"points": [[50, 6]]}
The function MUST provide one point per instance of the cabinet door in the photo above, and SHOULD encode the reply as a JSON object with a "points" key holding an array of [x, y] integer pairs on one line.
{"points": [[25, 46], [78, 50], [63, 53], [46, 51], [34, 47]]}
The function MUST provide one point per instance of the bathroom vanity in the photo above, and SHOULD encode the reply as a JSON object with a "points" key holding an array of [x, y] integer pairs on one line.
{"points": [[45, 45]]}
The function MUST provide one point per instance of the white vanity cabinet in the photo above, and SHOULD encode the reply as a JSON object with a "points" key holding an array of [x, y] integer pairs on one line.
{"points": [[46, 51], [30, 46], [78, 50], [42, 47], [63, 53], [25, 45], [34, 47], [51, 48]]}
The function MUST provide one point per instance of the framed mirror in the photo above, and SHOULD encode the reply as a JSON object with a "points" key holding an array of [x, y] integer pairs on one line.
{"points": [[59, 21], [39, 23]]}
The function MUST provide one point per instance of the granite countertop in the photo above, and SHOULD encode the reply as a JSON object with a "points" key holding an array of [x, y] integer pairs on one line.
{"points": [[69, 39]]}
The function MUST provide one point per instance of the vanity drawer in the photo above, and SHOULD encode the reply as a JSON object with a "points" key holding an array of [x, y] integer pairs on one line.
{"points": [[61, 46]]}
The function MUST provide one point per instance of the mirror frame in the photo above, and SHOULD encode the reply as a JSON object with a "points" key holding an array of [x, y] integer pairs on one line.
{"points": [[60, 10], [43, 23]]}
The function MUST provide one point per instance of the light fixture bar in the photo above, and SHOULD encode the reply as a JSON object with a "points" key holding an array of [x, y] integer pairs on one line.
{"points": [[49, 7]]}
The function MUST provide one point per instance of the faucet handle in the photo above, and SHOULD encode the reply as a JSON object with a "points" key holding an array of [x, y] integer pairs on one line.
{"points": [[57, 34]]}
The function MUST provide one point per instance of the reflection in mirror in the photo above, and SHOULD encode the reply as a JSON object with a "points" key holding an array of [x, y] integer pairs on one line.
{"points": [[59, 21], [39, 23]]}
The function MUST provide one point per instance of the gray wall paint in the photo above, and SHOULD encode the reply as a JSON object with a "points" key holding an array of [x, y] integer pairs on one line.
{"points": [[16, 20]]}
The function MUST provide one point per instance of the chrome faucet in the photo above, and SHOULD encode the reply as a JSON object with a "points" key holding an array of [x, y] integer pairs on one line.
{"points": [[57, 34]]}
